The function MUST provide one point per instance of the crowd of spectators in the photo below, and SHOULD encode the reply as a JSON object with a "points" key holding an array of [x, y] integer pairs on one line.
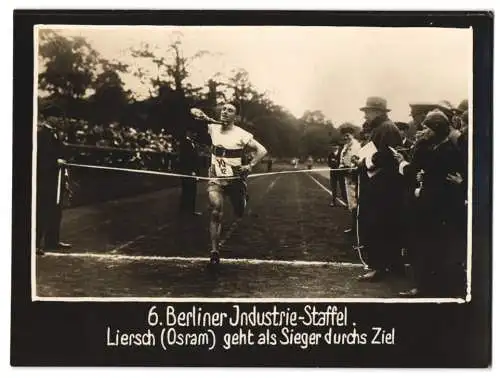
{"points": [[407, 189], [116, 145]]}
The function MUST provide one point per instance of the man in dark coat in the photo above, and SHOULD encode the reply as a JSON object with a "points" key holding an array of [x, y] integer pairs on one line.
{"points": [[380, 194], [49, 189], [189, 165], [336, 178]]}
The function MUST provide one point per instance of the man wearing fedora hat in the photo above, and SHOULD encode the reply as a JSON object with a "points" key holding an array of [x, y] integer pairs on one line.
{"points": [[380, 194]]}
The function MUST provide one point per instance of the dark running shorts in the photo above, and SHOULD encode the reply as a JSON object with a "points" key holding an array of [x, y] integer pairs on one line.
{"points": [[234, 189]]}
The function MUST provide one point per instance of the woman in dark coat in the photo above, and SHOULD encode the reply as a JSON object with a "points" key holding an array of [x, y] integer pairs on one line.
{"points": [[438, 252]]}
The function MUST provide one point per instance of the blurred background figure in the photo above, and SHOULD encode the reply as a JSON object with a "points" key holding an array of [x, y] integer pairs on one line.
{"points": [[336, 177], [309, 162], [169, 152], [348, 156], [51, 182]]}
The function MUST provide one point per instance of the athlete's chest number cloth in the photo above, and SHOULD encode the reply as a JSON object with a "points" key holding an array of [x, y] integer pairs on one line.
{"points": [[222, 169]]}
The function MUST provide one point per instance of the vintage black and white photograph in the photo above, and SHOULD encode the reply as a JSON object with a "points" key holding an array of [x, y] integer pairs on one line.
{"points": [[252, 162]]}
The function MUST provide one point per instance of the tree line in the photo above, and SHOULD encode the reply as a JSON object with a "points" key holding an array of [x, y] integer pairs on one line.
{"points": [[75, 81]]}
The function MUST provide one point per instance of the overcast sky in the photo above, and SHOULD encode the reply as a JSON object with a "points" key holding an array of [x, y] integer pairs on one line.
{"points": [[332, 69]]}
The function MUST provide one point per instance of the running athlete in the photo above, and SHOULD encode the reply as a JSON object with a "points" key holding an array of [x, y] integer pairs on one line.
{"points": [[229, 143]]}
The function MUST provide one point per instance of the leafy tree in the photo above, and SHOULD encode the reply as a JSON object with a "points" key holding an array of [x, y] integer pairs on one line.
{"points": [[313, 117], [68, 65], [81, 84], [109, 99], [172, 67], [243, 91], [317, 134]]}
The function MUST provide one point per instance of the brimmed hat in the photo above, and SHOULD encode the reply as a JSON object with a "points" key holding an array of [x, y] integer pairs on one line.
{"points": [[423, 107], [437, 121], [402, 125], [376, 103], [446, 107], [463, 106], [347, 128]]}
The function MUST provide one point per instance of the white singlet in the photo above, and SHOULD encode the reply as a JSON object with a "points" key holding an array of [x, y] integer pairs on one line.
{"points": [[233, 139]]}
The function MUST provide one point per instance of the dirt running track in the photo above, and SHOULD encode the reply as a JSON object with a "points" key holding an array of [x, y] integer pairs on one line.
{"points": [[290, 244]]}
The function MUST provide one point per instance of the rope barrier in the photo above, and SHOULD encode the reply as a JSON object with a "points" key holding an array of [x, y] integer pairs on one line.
{"points": [[359, 247], [171, 174]]}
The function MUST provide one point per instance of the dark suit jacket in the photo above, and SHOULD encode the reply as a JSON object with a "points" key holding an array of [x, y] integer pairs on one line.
{"points": [[334, 159], [188, 157], [384, 135], [440, 202], [381, 196], [49, 149], [407, 148]]}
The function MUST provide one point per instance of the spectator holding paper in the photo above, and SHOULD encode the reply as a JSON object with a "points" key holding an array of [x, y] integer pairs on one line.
{"points": [[380, 194]]}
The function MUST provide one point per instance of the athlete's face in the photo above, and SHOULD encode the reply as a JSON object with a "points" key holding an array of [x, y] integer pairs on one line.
{"points": [[228, 113]]}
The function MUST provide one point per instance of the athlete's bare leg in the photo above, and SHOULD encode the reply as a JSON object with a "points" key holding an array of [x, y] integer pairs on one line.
{"points": [[216, 201]]}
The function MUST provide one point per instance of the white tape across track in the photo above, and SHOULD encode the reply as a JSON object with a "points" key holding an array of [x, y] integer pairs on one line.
{"points": [[198, 177], [194, 259], [122, 257]]}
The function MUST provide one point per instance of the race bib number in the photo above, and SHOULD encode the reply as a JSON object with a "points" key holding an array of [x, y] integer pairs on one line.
{"points": [[222, 169]]}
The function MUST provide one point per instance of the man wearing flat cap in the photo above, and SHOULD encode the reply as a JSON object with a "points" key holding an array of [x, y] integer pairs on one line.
{"points": [[380, 195], [418, 111]]}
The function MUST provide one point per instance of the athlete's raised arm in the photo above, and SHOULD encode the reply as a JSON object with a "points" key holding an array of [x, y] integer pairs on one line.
{"points": [[201, 116]]}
